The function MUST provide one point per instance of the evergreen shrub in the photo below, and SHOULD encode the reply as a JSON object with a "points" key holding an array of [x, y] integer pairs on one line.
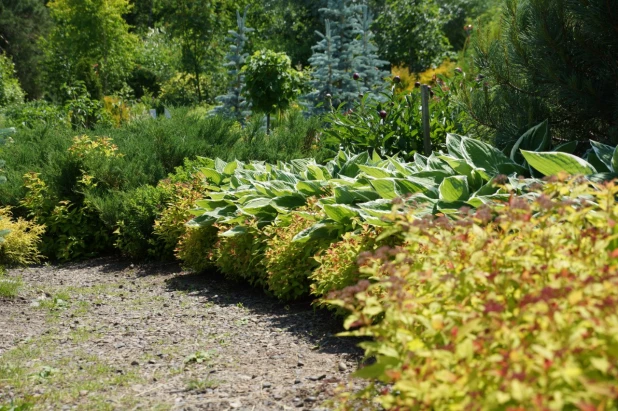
{"points": [[135, 222], [511, 306], [553, 59]]}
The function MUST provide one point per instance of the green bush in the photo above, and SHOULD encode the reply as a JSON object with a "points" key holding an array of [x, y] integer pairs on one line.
{"points": [[392, 125], [72, 230], [10, 89], [513, 306], [33, 114], [135, 220]]}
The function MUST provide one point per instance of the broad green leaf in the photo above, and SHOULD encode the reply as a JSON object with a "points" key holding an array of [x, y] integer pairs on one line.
{"points": [[615, 160], [482, 155], [453, 145], [436, 163], [389, 188], [375, 157], [420, 160], [454, 189], [285, 176], [450, 207], [377, 208], [535, 139], [322, 229], [604, 153], [348, 195], [230, 167], [436, 176], [593, 158], [209, 205], [553, 162], [301, 164], [235, 231], [263, 189], [258, 206], [210, 217], [213, 176], [310, 188], [375, 171], [374, 221], [351, 167], [289, 202], [398, 166], [281, 188], [220, 165], [568, 147], [340, 213], [315, 172]]}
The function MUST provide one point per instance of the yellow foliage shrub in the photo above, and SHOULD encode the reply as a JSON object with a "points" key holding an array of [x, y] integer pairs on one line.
{"points": [[20, 245]]}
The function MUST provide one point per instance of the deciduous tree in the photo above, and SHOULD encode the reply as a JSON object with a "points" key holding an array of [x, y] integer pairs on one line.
{"points": [[94, 31], [272, 84]]}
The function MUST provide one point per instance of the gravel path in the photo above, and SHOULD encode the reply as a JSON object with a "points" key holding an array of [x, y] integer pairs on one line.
{"points": [[109, 335]]}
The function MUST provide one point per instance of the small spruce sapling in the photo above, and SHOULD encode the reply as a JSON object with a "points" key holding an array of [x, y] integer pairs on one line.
{"points": [[233, 104]]}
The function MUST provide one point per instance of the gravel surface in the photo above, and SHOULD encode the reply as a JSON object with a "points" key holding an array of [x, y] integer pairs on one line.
{"points": [[106, 334]]}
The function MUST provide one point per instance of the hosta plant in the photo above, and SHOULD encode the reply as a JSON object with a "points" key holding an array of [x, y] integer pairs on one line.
{"points": [[512, 306]]}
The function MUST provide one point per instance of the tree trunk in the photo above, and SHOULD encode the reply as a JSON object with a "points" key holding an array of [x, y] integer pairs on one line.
{"points": [[268, 123]]}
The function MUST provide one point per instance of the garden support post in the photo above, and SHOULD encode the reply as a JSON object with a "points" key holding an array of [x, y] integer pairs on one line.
{"points": [[425, 119]]}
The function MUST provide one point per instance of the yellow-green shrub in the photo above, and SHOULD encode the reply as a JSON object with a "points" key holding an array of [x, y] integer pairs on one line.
{"points": [[170, 226], [195, 248], [337, 265], [20, 245], [289, 264], [510, 307], [242, 256]]}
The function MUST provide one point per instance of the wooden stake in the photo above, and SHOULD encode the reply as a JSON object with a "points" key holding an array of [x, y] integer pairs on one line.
{"points": [[425, 119]]}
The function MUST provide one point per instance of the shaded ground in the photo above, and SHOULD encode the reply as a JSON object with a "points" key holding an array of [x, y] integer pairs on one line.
{"points": [[108, 335]]}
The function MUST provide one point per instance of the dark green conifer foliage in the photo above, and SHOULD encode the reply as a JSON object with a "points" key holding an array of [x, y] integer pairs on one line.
{"points": [[555, 59], [233, 104]]}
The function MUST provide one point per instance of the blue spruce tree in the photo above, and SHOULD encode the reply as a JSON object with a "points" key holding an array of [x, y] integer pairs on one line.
{"points": [[345, 48], [233, 104], [327, 75], [365, 60]]}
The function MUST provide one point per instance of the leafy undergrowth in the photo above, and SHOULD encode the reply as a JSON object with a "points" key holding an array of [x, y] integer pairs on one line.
{"points": [[512, 306]]}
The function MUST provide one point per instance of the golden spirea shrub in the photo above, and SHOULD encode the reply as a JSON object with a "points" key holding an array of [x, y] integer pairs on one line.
{"points": [[21, 245], [509, 307]]}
